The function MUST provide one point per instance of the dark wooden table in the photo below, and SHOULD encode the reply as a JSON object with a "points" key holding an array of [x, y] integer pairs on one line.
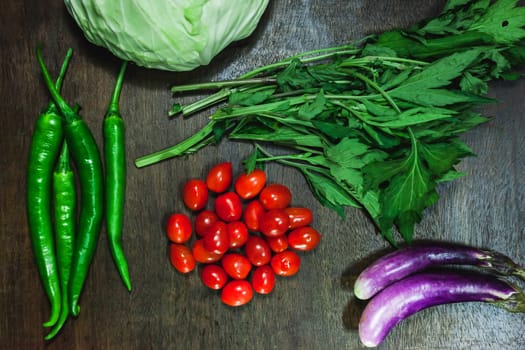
{"points": [[166, 310]]}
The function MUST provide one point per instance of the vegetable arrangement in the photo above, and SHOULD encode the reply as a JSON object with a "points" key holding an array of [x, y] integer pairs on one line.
{"points": [[399, 284], [175, 35], [63, 247], [251, 235], [374, 125]]}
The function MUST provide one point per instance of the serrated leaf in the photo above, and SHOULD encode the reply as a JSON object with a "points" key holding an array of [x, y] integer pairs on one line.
{"points": [[409, 188], [418, 115], [504, 21], [441, 157], [312, 109], [250, 98], [473, 85], [427, 87], [335, 131], [329, 193]]}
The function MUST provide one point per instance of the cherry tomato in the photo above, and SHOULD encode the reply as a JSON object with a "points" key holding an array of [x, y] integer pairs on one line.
{"points": [[252, 213], [178, 228], [195, 194], [181, 258], [202, 255], [257, 250], [286, 263], [237, 293], [238, 233], [277, 244], [263, 279], [304, 238], [274, 223], [228, 207], [299, 217], [236, 265], [213, 276], [249, 185], [217, 239], [203, 221], [275, 196], [219, 177]]}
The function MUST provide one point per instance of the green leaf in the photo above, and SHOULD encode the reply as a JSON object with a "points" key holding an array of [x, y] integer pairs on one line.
{"points": [[409, 188], [329, 193], [427, 87], [335, 131], [418, 115], [382, 139], [377, 50], [346, 152], [295, 76], [504, 21], [312, 109], [280, 134], [379, 110], [450, 176], [250, 98], [473, 85], [250, 163], [441, 157]]}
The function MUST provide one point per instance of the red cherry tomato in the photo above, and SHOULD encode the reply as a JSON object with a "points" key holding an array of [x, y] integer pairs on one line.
{"points": [[274, 223], [178, 228], [195, 194], [299, 217], [275, 196], [237, 293], [203, 221], [228, 207], [286, 263], [257, 251], [213, 276], [304, 238], [263, 279], [238, 233], [202, 255], [252, 213], [219, 177], [217, 239], [236, 265], [249, 185], [181, 258], [277, 244]]}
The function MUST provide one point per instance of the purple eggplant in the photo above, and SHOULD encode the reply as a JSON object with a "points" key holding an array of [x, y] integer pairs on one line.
{"points": [[422, 290], [406, 261]]}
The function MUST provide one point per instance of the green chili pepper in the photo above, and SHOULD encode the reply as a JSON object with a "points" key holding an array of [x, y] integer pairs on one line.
{"points": [[86, 157], [115, 160], [65, 216], [44, 150]]}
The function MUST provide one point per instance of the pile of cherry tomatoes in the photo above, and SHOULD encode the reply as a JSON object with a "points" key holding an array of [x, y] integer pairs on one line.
{"points": [[246, 233]]}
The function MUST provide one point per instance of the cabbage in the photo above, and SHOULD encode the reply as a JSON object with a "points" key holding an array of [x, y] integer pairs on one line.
{"points": [[175, 35]]}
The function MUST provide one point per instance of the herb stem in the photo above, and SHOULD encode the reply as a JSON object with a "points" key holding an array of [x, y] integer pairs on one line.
{"points": [[198, 140], [315, 56], [221, 84], [378, 88], [353, 62]]}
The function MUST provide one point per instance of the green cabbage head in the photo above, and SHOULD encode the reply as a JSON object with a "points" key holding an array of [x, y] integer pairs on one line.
{"points": [[175, 35]]}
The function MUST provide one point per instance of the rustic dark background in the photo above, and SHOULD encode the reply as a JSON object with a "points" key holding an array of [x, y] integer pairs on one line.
{"points": [[165, 310]]}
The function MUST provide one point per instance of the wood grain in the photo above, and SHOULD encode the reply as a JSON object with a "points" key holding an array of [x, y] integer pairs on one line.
{"points": [[165, 310]]}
